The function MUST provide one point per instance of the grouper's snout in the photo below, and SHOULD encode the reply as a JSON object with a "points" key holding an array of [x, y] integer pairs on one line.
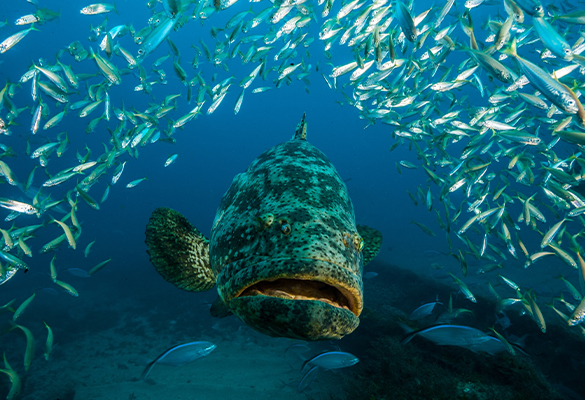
{"points": [[302, 298]]}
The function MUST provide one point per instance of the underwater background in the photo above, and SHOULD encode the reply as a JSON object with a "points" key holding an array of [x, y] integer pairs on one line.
{"points": [[126, 315]]}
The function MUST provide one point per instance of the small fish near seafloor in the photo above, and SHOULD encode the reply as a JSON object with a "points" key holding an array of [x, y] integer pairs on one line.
{"points": [[307, 282], [324, 362], [331, 360], [459, 335], [424, 310], [180, 355]]}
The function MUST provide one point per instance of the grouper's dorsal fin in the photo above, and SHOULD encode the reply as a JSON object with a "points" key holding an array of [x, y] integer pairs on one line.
{"points": [[372, 242], [178, 251], [301, 132]]}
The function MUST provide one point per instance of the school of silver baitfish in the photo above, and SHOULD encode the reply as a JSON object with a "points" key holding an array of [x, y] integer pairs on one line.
{"points": [[525, 113]]}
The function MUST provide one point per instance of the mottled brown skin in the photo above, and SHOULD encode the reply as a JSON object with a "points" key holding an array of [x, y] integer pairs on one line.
{"points": [[186, 265], [297, 184], [284, 251]]}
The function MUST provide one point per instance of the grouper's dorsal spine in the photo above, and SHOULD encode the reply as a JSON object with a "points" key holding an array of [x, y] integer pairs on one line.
{"points": [[301, 131]]}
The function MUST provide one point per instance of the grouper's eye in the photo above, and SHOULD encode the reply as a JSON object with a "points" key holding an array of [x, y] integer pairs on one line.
{"points": [[358, 242], [285, 227]]}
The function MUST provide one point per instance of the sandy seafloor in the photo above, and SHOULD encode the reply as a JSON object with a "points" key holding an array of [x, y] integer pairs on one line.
{"points": [[106, 336]]}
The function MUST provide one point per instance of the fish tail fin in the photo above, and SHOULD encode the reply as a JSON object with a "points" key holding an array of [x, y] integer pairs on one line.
{"points": [[551, 304], [46, 222], [178, 251], [511, 51], [301, 131], [462, 47], [410, 333], [147, 370], [13, 326]]}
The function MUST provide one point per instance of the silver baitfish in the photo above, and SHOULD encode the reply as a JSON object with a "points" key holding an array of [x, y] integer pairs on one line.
{"points": [[180, 355]]}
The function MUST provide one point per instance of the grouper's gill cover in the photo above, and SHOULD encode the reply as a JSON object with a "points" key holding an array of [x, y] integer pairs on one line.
{"points": [[286, 229], [284, 252]]}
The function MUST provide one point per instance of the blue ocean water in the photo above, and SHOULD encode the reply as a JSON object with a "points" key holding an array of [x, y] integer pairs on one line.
{"points": [[113, 305]]}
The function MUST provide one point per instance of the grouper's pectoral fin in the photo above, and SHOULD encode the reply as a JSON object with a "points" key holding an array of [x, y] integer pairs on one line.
{"points": [[372, 242], [178, 251]]}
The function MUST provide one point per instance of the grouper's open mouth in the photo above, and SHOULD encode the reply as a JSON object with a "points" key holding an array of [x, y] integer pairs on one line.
{"points": [[304, 298], [298, 289]]}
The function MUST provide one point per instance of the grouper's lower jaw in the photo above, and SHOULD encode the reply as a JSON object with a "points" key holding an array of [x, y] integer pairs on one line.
{"points": [[304, 298], [294, 318]]}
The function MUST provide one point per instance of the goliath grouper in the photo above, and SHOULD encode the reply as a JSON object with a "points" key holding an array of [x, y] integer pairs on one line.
{"points": [[285, 252]]}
